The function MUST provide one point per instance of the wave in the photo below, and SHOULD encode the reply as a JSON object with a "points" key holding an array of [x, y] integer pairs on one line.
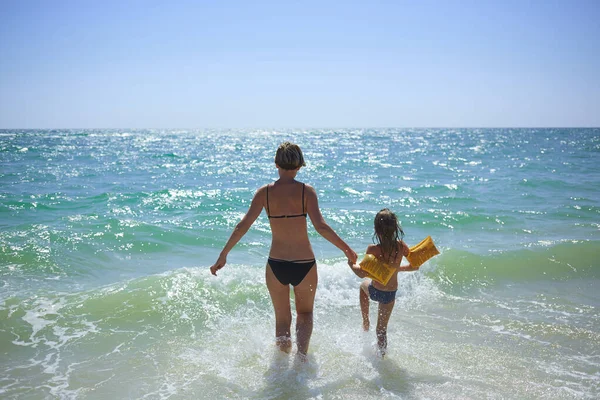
{"points": [[163, 334], [569, 260], [188, 301], [177, 302]]}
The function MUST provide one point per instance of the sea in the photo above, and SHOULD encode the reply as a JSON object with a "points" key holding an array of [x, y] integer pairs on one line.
{"points": [[107, 236]]}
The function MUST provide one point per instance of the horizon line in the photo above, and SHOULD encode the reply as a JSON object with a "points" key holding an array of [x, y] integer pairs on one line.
{"points": [[313, 127]]}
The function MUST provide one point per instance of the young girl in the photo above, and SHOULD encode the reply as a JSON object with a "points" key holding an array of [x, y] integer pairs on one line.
{"points": [[389, 250]]}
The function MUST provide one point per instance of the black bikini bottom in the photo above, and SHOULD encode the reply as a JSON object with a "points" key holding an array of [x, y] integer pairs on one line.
{"points": [[290, 272]]}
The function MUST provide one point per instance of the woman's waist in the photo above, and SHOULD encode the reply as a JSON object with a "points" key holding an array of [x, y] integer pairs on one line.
{"points": [[292, 257], [291, 253], [289, 234], [290, 243]]}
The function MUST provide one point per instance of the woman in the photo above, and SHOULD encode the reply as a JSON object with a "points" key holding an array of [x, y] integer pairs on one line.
{"points": [[291, 260]]}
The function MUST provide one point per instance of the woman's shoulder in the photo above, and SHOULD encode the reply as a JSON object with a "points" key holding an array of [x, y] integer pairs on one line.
{"points": [[308, 188], [262, 190], [306, 185]]}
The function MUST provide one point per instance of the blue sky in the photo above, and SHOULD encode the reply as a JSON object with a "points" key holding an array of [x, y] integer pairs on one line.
{"points": [[278, 64]]}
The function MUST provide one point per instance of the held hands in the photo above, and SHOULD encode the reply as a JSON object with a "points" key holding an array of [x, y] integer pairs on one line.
{"points": [[221, 261], [353, 265], [352, 259], [351, 255]]}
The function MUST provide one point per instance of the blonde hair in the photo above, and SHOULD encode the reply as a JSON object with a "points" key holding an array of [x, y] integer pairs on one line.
{"points": [[289, 156]]}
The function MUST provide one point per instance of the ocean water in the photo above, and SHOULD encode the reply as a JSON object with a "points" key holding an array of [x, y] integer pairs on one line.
{"points": [[107, 235]]}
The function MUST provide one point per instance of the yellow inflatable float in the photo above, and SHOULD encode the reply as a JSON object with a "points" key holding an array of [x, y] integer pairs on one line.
{"points": [[382, 272]]}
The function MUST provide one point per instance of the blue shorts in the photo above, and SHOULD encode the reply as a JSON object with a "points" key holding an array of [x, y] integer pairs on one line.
{"points": [[381, 296]]}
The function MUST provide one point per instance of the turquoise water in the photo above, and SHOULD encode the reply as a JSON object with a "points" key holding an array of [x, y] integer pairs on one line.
{"points": [[106, 238]]}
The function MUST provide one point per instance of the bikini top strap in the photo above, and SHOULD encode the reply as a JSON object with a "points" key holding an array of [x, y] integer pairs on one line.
{"points": [[303, 198], [268, 214]]}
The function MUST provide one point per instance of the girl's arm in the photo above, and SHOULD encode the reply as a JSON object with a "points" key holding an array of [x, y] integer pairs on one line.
{"points": [[240, 230], [407, 268], [357, 271], [355, 267], [405, 252], [405, 249], [312, 208]]}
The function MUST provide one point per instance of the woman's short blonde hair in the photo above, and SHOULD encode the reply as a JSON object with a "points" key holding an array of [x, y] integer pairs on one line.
{"points": [[289, 156]]}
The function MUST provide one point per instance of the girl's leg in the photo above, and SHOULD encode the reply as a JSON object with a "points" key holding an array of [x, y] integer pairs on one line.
{"points": [[280, 296], [304, 294], [383, 317], [364, 303]]}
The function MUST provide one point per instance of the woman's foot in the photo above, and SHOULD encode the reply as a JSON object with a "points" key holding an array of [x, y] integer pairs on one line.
{"points": [[284, 343], [301, 358]]}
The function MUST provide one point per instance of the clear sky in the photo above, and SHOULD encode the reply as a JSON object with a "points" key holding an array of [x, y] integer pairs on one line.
{"points": [[303, 64]]}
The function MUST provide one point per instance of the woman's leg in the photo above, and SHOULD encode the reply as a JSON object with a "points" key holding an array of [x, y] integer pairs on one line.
{"points": [[364, 303], [304, 293], [280, 296], [383, 317]]}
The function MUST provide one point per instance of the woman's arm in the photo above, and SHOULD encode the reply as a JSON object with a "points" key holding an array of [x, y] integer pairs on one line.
{"points": [[312, 208], [240, 230]]}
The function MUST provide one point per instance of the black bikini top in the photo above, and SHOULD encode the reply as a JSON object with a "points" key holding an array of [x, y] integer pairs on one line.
{"points": [[286, 216]]}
